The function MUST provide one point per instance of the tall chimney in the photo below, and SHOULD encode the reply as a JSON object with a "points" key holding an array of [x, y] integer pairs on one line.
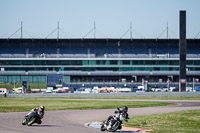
{"points": [[182, 51]]}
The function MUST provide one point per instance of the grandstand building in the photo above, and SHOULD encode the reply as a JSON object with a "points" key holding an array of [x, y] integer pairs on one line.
{"points": [[95, 61]]}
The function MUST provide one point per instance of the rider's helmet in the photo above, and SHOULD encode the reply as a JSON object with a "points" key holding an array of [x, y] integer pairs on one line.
{"points": [[125, 109], [42, 108]]}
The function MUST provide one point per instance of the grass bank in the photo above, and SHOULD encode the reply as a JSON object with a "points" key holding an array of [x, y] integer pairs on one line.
{"points": [[177, 122], [25, 104]]}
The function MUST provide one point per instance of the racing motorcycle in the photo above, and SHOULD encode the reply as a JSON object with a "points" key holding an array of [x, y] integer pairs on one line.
{"points": [[113, 123], [30, 118]]}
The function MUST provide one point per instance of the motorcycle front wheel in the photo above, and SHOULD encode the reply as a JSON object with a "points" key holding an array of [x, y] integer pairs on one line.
{"points": [[24, 122], [102, 128], [115, 126]]}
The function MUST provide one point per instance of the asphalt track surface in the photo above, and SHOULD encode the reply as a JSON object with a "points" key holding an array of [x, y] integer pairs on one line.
{"points": [[73, 121]]}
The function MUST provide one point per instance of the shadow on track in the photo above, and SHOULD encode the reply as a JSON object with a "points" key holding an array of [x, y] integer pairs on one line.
{"points": [[127, 132], [46, 126]]}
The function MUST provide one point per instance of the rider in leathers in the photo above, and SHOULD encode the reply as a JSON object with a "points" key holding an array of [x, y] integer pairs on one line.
{"points": [[124, 112], [40, 113]]}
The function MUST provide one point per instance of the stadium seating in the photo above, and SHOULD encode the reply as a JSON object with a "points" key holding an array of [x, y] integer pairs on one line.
{"points": [[137, 49]]}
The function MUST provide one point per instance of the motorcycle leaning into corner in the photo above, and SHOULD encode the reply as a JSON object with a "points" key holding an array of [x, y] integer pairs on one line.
{"points": [[34, 116], [113, 123]]}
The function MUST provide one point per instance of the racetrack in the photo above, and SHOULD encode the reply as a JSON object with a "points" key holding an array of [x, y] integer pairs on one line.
{"points": [[73, 121]]}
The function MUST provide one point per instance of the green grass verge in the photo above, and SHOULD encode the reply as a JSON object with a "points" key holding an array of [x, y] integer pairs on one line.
{"points": [[156, 98], [26, 104], [177, 122]]}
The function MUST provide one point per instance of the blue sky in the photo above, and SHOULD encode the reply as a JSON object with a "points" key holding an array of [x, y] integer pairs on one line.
{"points": [[112, 17]]}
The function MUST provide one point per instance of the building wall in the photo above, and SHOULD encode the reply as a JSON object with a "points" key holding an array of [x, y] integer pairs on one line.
{"points": [[152, 59]]}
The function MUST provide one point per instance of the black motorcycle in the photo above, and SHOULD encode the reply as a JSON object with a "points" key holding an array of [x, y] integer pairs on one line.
{"points": [[113, 123], [30, 118]]}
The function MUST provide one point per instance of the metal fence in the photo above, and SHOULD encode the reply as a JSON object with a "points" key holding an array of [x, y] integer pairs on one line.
{"points": [[101, 95]]}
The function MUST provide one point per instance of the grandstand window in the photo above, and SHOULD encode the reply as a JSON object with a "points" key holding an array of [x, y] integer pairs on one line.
{"points": [[2, 62], [101, 62], [174, 62], [125, 69], [38, 79], [25, 78], [136, 69], [88, 69], [13, 62], [64, 62], [156, 68], [92, 62], [191, 69], [85, 62], [150, 62], [66, 79], [113, 62], [141, 69], [197, 69], [27, 62], [7, 62], [67, 69], [51, 62], [119, 62], [40, 68], [190, 62], [12, 79], [175, 69], [164, 68], [197, 62], [148, 69], [98, 62], [76, 62], [126, 62], [163, 62], [3, 79], [138, 62], [106, 69], [40, 62], [61, 69], [107, 62], [17, 78]]}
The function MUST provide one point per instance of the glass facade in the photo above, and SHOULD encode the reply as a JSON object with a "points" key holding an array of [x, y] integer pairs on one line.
{"points": [[66, 79], [15, 79], [97, 65], [47, 56], [96, 62]]}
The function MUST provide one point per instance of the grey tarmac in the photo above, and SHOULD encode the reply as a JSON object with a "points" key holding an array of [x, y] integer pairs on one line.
{"points": [[73, 121]]}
